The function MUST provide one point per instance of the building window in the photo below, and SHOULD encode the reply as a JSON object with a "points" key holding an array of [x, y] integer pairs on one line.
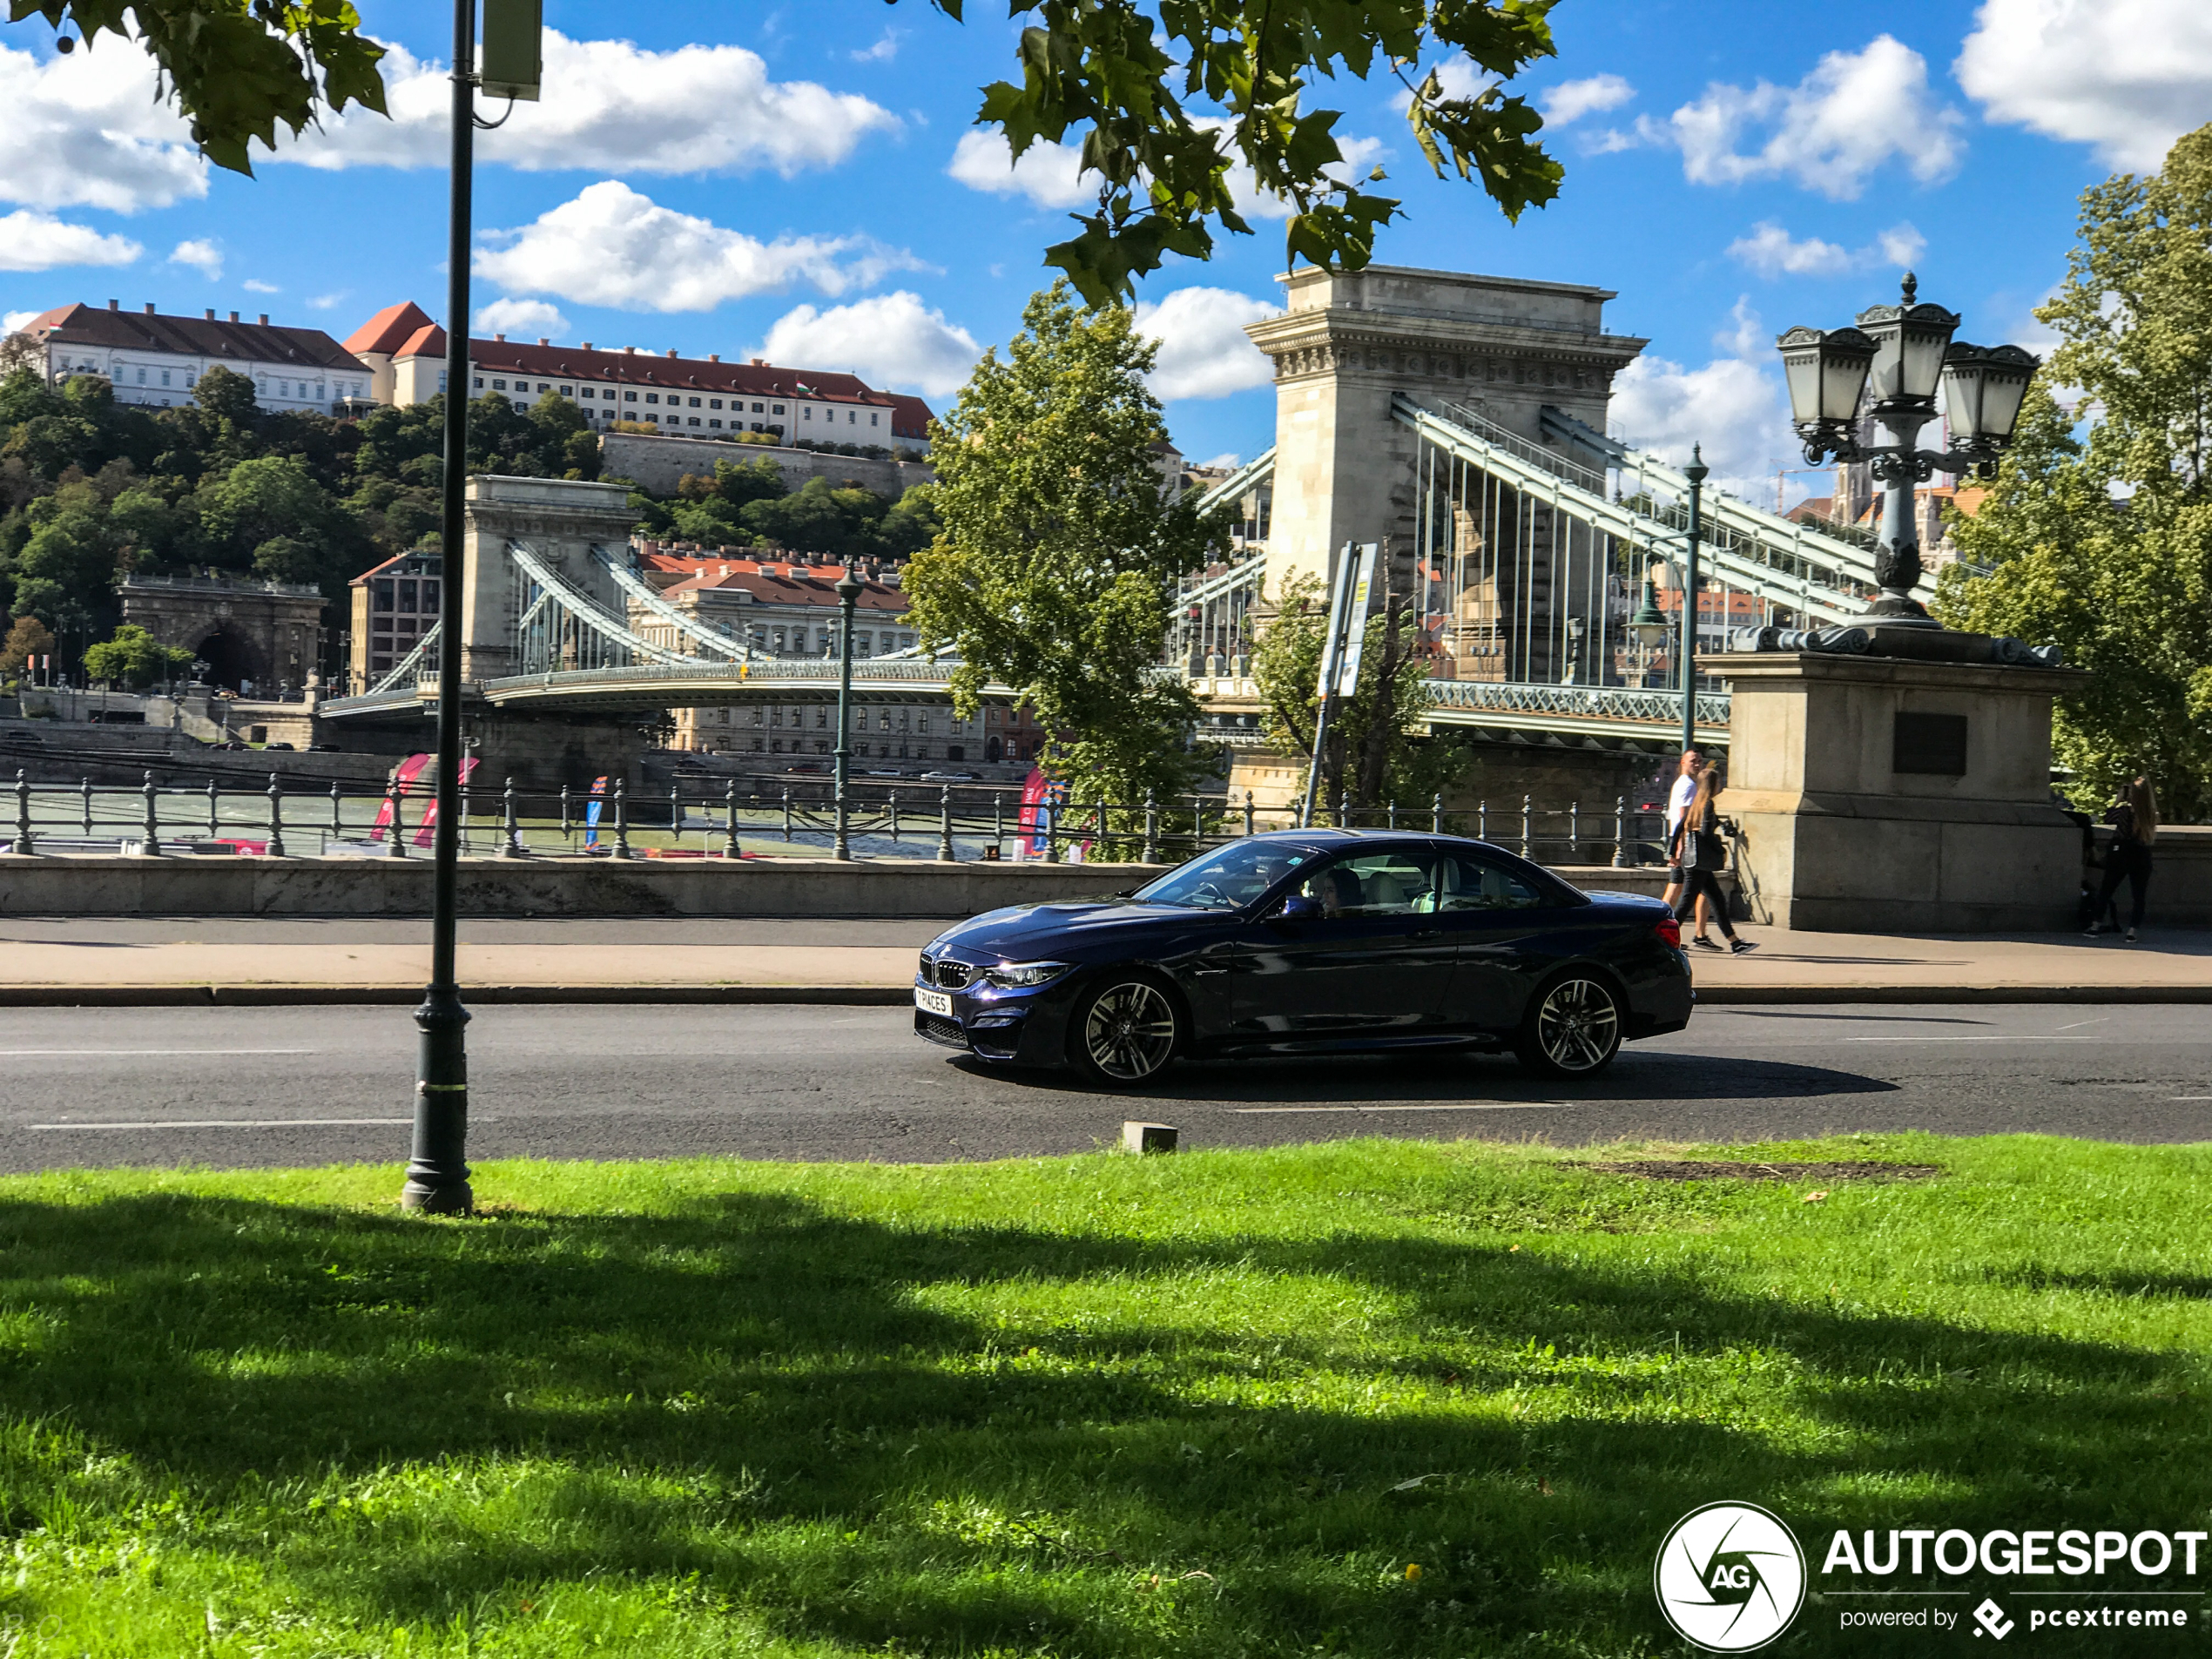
{"points": [[543, 387], [381, 594], [652, 397], [496, 386], [851, 417], [714, 403], [695, 403], [778, 409], [757, 409], [567, 391], [695, 419], [806, 414], [712, 421], [872, 418], [164, 377]]}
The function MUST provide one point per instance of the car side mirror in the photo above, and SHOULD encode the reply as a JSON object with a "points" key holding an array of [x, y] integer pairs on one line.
{"points": [[1299, 906]]}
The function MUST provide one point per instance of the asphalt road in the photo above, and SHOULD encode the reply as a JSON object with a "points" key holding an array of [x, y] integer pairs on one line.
{"points": [[243, 1088]]}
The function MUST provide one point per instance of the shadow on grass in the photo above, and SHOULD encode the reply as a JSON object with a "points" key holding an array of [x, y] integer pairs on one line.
{"points": [[775, 1399]]}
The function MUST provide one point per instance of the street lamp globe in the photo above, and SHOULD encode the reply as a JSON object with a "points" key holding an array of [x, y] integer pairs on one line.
{"points": [[1909, 341], [1648, 623], [1825, 370], [1982, 389]]}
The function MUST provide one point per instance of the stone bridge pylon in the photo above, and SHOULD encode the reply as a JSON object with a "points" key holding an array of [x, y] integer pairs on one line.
{"points": [[1348, 342], [559, 520]]}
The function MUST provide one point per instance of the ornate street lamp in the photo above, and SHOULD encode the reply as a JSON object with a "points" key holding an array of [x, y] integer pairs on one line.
{"points": [[848, 594], [1900, 357], [1648, 623]]}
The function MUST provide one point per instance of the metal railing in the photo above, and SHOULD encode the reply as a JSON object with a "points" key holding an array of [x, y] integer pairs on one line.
{"points": [[739, 816]]}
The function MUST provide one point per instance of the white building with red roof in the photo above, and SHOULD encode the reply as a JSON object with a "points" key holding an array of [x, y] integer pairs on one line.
{"points": [[698, 397], [151, 359]]}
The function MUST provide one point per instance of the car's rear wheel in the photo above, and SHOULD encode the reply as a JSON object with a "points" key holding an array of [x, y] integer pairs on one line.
{"points": [[1572, 1029], [1126, 1031]]}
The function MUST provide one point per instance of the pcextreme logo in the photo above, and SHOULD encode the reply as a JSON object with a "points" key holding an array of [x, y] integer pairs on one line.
{"points": [[1729, 1577]]}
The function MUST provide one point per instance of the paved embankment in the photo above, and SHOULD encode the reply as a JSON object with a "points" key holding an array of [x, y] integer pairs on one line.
{"points": [[185, 960]]}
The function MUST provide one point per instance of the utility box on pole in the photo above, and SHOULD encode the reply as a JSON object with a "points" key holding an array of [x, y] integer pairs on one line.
{"points": [[510, 57]]}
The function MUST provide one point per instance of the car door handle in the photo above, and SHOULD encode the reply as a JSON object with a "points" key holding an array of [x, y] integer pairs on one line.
{"points": [[1429, 932]]}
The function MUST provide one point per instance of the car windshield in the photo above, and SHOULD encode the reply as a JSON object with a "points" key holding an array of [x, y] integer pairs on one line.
{"points": [[1227, 878]]}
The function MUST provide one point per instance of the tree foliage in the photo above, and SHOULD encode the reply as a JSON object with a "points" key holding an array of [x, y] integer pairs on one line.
{"points": [[134, 659], [2102, 543], [1054, 570], [28, 638], [237, 69], [1373, 752], [1108, 71]]}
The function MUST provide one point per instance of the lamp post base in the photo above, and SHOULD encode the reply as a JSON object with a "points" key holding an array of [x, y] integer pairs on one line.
{"points": [[437, 1173], [1898, 607]]}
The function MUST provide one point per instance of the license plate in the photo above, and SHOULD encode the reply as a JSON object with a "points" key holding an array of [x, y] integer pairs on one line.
{"points": [[933, 1001]]}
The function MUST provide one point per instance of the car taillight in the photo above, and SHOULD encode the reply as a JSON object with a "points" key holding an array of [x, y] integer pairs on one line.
{"points": [[1669, 932]]}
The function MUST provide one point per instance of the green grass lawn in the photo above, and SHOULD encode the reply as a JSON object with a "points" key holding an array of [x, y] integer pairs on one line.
{"points": [[1087, 1405]]}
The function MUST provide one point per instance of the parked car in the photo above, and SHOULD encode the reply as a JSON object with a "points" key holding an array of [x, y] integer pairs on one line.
{"points": [[285, 746], [1304, 941], [948, 777]]}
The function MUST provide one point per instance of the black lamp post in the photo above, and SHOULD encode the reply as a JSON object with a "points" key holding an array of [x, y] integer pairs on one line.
{"points": [[1695, 472], [1905, 351], [848, 594], [437, 1170]]}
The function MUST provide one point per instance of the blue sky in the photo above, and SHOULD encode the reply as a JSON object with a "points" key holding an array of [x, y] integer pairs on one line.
{"points": [[792, 181]]}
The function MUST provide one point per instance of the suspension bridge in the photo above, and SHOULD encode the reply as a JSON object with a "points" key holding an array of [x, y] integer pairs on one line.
{"points": [[1462, 418]]}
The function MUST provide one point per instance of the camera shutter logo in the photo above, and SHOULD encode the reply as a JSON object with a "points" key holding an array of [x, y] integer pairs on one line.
{"points": [[1729, 1577]]}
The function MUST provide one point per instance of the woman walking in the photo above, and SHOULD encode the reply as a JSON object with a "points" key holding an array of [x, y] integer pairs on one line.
{"points": [[1699, 851], [2135, 826]]}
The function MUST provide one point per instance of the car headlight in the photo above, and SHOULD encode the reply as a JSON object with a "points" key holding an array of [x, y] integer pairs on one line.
{"points": [[1023, 976]]}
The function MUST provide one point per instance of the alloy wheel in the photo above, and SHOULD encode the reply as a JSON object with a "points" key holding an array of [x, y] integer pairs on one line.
{"points": [[1128, 1032], [1578, 1026]]}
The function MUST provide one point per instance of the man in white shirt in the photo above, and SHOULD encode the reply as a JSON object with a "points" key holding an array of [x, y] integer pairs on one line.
{"points": [[1678, 800]]}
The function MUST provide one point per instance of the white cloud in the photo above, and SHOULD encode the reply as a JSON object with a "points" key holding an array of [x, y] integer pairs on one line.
{"points": [[87, 130], [2129, 77], [329, 301], [1229, 461], [1772, 252], [891, 340], [204, 256], [1570, 101], [254, 285], [529, 319], [1746, 335], [1854, 112], [33, 241], [611, 106], [1050, 174], [16, 319], [1734, 411], [613, 246], [1204, 349], [886, 49]]}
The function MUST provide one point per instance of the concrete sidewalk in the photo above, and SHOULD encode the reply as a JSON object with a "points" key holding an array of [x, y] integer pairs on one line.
{"points": [[126, 962]]}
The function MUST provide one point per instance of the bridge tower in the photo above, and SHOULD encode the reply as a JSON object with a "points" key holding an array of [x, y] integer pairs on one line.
{"points": [[560, 519], [1345, 471]]}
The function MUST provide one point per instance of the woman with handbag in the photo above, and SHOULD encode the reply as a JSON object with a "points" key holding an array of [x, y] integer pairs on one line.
{"points": [[2135, 827], [1698, 848]]}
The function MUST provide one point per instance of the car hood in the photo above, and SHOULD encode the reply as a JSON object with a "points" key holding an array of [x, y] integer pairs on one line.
{"points": [[1020, 931]]}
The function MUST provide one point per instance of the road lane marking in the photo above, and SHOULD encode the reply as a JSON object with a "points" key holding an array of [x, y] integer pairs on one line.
{"points": [[243, 1123], [121, 1054], [2008, 1036], [2101, 1020], [1499, 1106]]}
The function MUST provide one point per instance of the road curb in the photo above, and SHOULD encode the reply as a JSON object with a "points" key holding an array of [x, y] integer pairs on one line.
{"points": [[213, 995]]}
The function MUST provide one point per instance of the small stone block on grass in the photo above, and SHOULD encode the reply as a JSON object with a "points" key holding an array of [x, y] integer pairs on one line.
{"points": [[1148, 1137]]}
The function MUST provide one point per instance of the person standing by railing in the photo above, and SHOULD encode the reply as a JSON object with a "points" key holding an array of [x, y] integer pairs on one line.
{"points": [[2135, 826]]}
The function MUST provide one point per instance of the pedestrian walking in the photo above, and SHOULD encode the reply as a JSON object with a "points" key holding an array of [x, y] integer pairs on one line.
{"points": [[1684, 786], [1699, 851], [2133, 819]]}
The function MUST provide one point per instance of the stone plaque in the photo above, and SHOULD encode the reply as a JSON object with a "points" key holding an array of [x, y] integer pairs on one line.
{"points": [[1933, 744]]}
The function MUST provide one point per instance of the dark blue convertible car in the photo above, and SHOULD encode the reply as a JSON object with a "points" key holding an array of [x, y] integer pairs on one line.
{"points": [[1312, 941]]}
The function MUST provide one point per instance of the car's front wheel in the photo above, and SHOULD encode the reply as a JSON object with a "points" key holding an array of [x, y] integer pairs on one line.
{"points": [[1572, 1029], [1126, 1031]]}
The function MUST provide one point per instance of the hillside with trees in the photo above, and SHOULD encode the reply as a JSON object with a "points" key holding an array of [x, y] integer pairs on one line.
{"points": [[92, 490]]}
